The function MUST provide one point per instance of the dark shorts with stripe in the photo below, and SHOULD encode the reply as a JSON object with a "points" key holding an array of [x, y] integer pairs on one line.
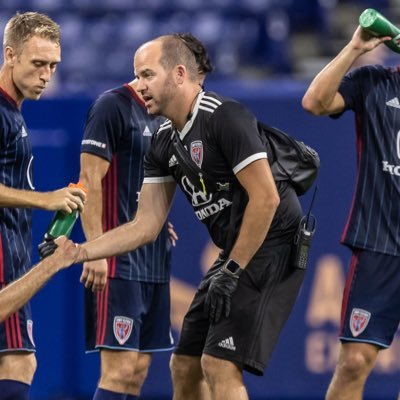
{"points": [[265, 295], [371, 299], [129, 315], [16, 332]]}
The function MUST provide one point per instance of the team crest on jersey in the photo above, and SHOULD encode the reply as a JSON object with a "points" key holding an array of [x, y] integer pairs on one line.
{"points": [[29, 328], [196, 151], [122, 329], [358, 321]]}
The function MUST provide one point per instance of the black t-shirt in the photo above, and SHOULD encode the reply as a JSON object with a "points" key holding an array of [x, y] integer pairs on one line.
{"points": [[222, 138]]}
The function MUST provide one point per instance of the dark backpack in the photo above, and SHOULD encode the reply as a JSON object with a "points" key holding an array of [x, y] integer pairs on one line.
{"points": [[290, 160]]}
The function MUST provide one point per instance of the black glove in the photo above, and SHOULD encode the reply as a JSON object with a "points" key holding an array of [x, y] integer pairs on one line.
{"points": [[47, 248], [221, 286]]}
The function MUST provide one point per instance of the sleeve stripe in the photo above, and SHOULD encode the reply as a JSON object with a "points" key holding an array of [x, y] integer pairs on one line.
{"points": [[159, 179], [248, 161]]}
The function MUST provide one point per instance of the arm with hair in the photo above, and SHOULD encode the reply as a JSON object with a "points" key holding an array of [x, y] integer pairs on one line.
{"points": [[154, 204]]}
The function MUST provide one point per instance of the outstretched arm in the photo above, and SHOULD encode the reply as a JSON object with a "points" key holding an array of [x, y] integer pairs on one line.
{"points": [[19, 292], [322, 96], [66, 199], [154, 204]]}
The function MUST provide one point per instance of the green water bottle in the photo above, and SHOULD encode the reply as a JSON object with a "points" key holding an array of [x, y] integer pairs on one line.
{"points": [[377, 25], [62, 223]]}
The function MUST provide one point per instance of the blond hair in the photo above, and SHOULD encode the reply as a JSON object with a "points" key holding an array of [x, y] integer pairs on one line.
{"points": [[21, 27]]}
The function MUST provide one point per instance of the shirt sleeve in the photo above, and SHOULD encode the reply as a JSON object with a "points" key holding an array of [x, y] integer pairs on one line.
{"points": [[156, 162], [351, 88], [103, 128], [236, 134]]}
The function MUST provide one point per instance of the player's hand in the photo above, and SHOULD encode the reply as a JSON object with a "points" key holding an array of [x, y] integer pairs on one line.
{"points": [[364, 41], [47, 248], [67, 199], [221, 287], [94, 274], [173, 237], [64, 253]]}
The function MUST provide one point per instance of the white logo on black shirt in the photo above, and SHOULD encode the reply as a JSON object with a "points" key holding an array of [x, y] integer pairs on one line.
{"points": [[172, 161], [24, 133], [92, 142], [393, 103]]}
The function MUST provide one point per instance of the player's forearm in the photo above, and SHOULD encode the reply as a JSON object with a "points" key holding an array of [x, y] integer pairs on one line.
{"points": [[17, 293], [10, 197], [321, 93], [92, 215], [117, 241], [256, 222]]}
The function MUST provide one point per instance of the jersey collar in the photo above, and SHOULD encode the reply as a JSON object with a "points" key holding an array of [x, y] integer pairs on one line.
{"points": [[189, 123]]}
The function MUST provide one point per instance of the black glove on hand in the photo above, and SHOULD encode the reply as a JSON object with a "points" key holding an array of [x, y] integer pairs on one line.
{"points": [[47, 248], [221, 287]]}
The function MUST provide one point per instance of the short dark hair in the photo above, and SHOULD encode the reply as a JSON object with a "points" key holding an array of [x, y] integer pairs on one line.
{"points": [[21, 27], [184, 48]]}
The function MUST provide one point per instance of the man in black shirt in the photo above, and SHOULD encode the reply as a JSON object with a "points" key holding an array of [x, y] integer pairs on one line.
{"points": [[245, 298]]}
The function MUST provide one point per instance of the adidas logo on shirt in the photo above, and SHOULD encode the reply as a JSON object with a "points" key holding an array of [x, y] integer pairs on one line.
{"points": [[227, 344], [172, 161], [393, 103], [23, 132], [147, 131]]}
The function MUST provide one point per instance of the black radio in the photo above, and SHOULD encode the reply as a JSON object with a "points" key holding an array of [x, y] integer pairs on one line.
{"points": [[302, 241], [303, 238]]}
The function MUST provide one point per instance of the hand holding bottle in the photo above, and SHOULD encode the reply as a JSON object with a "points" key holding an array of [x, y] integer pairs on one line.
{"points": [[377, 25], [61, 224]]}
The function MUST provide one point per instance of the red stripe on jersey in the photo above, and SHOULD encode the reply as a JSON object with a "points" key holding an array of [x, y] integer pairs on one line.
{"points": [[7, 327], [110, 208], [349, 280], [1, 260], [100, 316], [105, 310], [13, 331], [18, 330]]}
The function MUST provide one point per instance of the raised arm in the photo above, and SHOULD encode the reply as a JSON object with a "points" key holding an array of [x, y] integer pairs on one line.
{"points": [[322, 96], [154, 204], [93, 170]]}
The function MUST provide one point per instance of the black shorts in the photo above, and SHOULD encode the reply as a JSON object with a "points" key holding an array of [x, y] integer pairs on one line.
{"points": [[266, 293]]}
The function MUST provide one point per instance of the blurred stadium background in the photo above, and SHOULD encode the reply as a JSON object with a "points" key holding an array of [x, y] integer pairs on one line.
{"points": [[265, 53]]}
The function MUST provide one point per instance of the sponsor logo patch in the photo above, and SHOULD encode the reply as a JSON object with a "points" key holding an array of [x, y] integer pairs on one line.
{"points": [[122, 329], [358, 321]]}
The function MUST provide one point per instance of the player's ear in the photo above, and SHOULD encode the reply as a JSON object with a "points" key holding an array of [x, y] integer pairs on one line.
{"points": [[9, 55], [180, 74]]}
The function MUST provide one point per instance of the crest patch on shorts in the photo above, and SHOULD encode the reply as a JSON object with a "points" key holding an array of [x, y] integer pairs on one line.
{"points": [[358, 321], [122, 329]]}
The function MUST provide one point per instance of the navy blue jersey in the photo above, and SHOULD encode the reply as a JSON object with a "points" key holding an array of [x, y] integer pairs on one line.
{"points": [[15, 172], [119, 130], [373, 93], [222, 138]]}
